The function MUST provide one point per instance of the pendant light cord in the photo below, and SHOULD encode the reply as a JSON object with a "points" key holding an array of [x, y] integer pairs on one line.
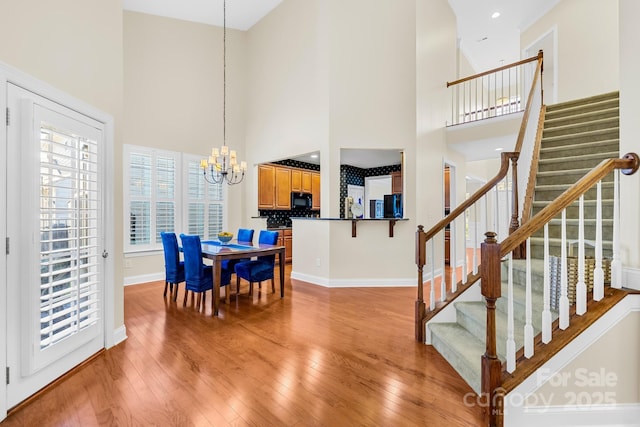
{"points": [[224, 72]]}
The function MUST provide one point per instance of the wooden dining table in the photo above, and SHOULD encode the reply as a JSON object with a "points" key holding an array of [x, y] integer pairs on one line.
{"points": [[217, 252]]}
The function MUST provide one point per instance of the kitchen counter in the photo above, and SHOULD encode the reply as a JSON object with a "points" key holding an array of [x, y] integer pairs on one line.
{"points": [[354, 221]]}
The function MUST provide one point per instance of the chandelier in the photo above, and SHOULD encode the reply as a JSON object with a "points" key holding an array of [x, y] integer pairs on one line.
{"points": [[222, 165]]}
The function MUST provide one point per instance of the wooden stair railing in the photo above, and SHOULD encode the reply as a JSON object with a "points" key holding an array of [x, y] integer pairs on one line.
{"points": [[492, 255], [422, 237]]}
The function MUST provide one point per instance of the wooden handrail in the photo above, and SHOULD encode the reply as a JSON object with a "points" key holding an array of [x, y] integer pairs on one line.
{"points": [[628, 164], [533, 171], [505, 157], [527, 110], [495, 70]]}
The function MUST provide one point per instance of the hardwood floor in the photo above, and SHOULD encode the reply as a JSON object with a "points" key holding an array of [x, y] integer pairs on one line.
{"points": [[318, 357]]}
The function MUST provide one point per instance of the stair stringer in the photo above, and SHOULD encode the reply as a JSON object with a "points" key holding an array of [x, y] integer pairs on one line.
{"points": [[448, 313], [593, 411]]}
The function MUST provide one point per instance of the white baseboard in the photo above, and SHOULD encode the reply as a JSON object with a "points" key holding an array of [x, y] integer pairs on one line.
{"points": [[143, 278], [353, 283], [119, 335], [622, 415], [631, 278]]}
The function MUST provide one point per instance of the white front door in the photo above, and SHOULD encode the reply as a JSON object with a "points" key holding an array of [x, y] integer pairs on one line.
{"points": [[55, 268]]}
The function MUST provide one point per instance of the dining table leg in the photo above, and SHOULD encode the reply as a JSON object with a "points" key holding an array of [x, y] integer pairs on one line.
{"points": [[217, 273], [281, 257]]}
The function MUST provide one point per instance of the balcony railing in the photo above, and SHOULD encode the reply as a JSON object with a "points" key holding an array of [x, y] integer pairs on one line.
{"points": [[493, 93]]}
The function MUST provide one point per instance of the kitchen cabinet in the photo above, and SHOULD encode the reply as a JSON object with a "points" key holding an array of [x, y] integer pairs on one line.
{"points": [[283, 188], [266, 186], [274, 187], [275, 184], [396, 182], [301, 180], [296, 180], [315, 190], [306, 181], [285, 238]]}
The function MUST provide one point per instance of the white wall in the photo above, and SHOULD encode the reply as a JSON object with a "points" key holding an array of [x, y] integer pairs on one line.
{"points": [[173, 81], [588, 58], [287, 89], [629, 133], [79, 53], [435, 65]]}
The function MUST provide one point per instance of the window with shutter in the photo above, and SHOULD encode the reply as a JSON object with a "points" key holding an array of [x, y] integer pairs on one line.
{"points": [[152, 179], [204, 202]]}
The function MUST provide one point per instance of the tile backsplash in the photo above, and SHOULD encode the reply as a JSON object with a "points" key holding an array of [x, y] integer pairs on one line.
{"points": [[283, 218]]}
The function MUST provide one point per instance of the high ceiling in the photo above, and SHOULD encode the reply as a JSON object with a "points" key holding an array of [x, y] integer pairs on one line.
{"points": [[492, 42], [241, 14], [486, 42]]}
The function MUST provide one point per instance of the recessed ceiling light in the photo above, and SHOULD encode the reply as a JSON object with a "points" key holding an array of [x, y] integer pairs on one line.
{"points": [[495, 15], [499, 149], [314, 156]]}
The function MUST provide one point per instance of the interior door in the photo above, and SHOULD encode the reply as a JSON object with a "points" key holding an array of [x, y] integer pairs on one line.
{"points": [[54, 222]]}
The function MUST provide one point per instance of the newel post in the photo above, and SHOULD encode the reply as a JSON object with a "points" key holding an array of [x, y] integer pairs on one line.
{"points": [[491, 364], [421, 257]]}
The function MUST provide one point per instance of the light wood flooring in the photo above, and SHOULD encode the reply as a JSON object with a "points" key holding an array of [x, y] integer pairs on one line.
{"points": [[318, 357]]}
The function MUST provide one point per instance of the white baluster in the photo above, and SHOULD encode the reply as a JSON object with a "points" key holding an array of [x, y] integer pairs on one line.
{"points": [[432, 292], [581, 287], [465, 272], [598, 273], [453, 256], [497, 216], [616, 264], [475, 238], [546, 308], [511, 342], [564, 286], [528, 327]]}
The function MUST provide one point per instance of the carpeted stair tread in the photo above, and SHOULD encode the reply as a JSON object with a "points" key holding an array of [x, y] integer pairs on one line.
{"points": [[574, 128], [581, 117], [601, 101], [589, 136], [472, 316], [557, 160], [461, 349]]}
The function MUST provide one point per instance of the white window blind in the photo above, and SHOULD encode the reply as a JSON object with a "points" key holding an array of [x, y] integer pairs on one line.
{"points": [[204, 202], [152, 179], [69, 243], [154, 187]]}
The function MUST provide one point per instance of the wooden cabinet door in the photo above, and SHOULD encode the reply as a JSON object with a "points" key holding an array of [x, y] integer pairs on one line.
{"points": [[315, 190], [396, 182], [306, 182], [266, 186], [283, 188], [296, 180], [288, 245]]}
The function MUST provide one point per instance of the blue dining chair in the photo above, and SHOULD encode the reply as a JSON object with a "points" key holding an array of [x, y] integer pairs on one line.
{"points": [[173, 267], [261, 268], [245, 235], [198, 276]]}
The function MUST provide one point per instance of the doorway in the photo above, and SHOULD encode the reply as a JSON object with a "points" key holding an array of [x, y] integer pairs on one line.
{"points": [[448, 191], [56, 259]]}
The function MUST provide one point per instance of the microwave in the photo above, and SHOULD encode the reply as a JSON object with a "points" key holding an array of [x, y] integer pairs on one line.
{"points": [[300, 200]]}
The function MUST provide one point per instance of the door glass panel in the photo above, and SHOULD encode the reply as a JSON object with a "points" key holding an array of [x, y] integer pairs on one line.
{"points": [[69, 269]]}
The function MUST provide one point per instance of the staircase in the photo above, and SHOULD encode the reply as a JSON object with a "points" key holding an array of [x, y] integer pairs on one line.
{"points": [[577, 136]]}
